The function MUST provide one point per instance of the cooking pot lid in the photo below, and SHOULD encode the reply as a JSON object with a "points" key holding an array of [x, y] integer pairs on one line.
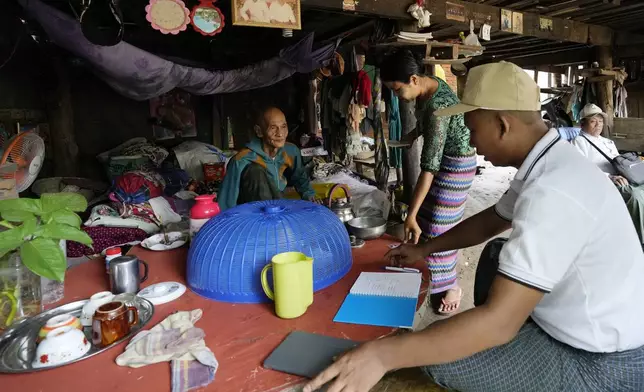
{"points": [[341, 203], [161, 293]]}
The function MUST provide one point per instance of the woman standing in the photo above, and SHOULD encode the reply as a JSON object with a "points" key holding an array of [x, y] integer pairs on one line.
{"points": [[448, 166]]}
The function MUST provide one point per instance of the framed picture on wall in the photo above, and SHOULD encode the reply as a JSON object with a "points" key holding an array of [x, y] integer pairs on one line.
{"points": [[517, 22], [281, 14], [506, 20]]}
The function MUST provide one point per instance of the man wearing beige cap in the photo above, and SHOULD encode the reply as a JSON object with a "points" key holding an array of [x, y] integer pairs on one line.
{"points": [[554, 312], [599, 149]]}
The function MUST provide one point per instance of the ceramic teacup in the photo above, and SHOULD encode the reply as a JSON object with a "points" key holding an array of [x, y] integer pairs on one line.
{"points": [[95, 301], [61, 345], [62, 320], [112, 322]]}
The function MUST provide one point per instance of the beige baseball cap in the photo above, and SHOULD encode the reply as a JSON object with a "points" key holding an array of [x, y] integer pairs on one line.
{"points": [[497, 86]]}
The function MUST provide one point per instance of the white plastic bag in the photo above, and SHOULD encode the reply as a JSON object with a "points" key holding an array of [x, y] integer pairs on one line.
{"points": [[366, 200], [472, 39], [192, 154]]}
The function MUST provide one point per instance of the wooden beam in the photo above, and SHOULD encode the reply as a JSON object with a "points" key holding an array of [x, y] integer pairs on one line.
{"points": [[531, 53], [563, 29], [600, 79], [61, 116], [387, 9], [628, 134], [548, 68], [605, 88], [565, 57]]}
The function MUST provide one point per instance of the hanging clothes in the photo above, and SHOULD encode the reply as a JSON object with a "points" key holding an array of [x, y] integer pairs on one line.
{"points": [[356, 114], [362, 85], [576, 104], [141, 75], [395, 131], [621, 109]]}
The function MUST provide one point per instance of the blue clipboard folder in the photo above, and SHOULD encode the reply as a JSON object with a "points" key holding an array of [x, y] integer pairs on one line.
{"points": [[386, 299]]}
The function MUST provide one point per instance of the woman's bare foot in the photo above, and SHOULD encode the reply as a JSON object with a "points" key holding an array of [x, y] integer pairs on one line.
{"points": [[451, 301]]}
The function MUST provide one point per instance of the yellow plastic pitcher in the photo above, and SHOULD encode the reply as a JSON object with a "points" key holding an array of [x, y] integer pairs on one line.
{"points": [[292, 283]]}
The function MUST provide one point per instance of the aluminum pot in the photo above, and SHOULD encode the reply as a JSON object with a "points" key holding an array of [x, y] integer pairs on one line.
{"points": [[367, 228]]}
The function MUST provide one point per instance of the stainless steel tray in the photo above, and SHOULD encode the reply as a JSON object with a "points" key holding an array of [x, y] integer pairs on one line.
{"points": [[18, 343]]}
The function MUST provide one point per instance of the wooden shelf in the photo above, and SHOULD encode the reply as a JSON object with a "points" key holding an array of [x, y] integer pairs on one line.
{"points": [[397, 144], [556, 90], [369, 161], [401, 43], [465, 50], [461, 47], [446, 61], [588, 72]]}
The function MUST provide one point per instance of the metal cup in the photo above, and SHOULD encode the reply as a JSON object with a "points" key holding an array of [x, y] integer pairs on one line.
{"points": [[125, 276]]}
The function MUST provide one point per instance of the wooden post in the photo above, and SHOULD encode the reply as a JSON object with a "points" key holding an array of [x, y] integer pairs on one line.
{"points": [[558, 80], [61, 118], [605, 88], [308, 99], [411, 155], [460, 85], [217, 124]]}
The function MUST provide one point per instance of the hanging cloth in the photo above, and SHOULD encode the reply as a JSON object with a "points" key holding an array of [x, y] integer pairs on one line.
{"points": [[439, 72], [621, 109], [382, 167], [395, 131], [140, 75], [362, 85]]}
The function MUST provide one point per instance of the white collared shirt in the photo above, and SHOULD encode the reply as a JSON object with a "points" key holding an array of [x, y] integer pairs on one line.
{"points": [[590, 152], [573, 239]]}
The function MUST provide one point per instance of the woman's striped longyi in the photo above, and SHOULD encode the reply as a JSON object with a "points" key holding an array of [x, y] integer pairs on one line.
{"points": [[442, 209]]}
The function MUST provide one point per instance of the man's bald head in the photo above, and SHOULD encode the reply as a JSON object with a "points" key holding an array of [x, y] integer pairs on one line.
{"points": [[272, 128], [268, 114], [503, 135]]}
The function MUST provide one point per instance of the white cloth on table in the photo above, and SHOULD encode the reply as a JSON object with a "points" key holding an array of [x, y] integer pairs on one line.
{"points": [[163, 211], [367, 200], [174, 339]]}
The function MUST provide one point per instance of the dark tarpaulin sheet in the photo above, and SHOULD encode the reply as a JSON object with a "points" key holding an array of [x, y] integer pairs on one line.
{"points": [[141, 75]]}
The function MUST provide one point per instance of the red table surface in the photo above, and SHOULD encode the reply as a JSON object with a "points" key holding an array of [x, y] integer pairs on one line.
{"points": [[240, 335]]}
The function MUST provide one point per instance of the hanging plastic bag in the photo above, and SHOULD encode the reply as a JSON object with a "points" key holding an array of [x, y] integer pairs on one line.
{"points": [[472, 39], [418, 12]]}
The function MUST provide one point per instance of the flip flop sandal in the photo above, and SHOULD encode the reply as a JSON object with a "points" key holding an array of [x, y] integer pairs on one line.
{"points": [[457, 302]]}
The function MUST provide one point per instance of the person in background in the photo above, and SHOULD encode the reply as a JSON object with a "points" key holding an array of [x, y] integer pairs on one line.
{"points": [[588, 141], [550, 311], [281, 12], [448, 167], [255, 11], [262, 170]]}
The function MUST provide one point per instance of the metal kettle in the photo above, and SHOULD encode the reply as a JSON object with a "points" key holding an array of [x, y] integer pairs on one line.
{"points": [[342, 208], [125, 276]]}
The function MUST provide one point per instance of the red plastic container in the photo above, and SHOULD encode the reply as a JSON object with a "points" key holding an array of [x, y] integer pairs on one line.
{"points": [[214, 171], [204, 209]]}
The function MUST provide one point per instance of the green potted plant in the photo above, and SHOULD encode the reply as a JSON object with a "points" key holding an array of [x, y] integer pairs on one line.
{"points": [[30, 249]]}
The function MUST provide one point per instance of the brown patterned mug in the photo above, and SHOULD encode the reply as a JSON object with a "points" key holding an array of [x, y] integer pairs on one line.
{"points": [[112, 322]]}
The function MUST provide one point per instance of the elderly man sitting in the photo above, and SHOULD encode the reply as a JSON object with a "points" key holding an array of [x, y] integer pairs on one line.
{"points": [[588, 142], [262, 170]]}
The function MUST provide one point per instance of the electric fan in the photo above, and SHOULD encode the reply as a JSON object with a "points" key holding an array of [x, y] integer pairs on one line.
{"points": [[27, 151]]}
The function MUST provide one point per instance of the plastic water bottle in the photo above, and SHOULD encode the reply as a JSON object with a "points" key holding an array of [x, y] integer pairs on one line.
{"points": [[110, 254]]}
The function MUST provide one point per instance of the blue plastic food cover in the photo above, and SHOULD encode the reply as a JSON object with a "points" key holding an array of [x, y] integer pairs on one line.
{"points": [[227, 255]]}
